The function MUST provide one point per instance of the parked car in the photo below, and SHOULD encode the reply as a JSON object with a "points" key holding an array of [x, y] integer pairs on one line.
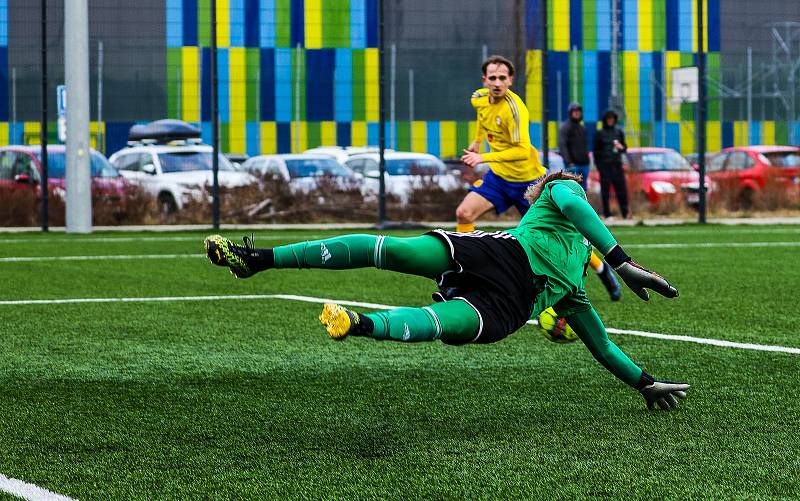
{"points": [[405, 171], [21, 168], [170, 163], [342, 153], [744, 171], [655, 175], [303, 171], [237, 159]]}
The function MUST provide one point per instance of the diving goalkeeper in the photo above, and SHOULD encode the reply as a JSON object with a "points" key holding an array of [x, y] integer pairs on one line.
{"points": [[490, 283]]}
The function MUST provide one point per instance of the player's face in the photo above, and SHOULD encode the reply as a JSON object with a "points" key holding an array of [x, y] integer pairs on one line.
{"points": [[497, 80]]}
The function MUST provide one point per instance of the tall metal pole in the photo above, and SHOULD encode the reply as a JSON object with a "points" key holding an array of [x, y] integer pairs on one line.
{"points": [[559, 97], [382, 117], [701, 110], [663, 99], [574, 75], [614, 54], [14, 105], [545, 132], [100, 135], [392, 96], [214, 119], [297, 99], [410, 105], [749, 92], [76, 80], [43, 121]]}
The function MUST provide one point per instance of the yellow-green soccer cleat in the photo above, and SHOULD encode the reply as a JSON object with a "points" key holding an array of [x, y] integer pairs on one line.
{"points": [[223, 252], [338, 320]]}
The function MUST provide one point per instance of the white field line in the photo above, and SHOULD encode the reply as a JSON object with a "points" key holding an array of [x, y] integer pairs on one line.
{"points": [[111, 257], [199, 240], [377, 306], [28, 491]]}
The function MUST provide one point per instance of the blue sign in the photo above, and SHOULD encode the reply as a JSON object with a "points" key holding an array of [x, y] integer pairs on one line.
{"points": [[61, 100]]}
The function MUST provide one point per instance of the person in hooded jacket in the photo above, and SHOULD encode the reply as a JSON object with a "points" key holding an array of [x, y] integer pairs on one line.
{"points": [[572, 145], [608, 147]]}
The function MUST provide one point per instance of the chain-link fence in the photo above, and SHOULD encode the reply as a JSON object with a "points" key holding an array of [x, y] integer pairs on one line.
{"points": [[297, 74]]}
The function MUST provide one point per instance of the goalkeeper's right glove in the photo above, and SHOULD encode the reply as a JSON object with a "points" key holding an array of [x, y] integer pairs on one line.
{"points": [[663, 393], [637, 277]]}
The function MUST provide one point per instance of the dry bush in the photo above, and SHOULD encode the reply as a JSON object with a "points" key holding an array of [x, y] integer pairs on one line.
{"points": [[18, 207]]}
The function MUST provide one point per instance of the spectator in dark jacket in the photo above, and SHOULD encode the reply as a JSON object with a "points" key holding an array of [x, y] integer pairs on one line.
{"points": [[609, 145], [572, 145]]}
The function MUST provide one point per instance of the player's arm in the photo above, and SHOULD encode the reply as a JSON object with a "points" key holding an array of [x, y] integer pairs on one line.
{"points": [[585, 219], [592, 332], [480, 133]]}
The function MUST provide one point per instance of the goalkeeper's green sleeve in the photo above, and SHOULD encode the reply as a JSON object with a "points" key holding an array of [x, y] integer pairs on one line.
{"points": [[583, 216], [590, 329]]}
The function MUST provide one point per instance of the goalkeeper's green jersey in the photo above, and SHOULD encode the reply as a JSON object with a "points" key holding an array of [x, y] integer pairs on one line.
{"points": [[557, 249]]}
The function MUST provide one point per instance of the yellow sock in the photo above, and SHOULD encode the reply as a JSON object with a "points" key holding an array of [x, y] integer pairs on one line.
{"points": [[465, 227], [595, 262]]}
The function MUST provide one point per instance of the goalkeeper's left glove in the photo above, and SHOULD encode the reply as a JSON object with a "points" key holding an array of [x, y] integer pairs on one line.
{"points": [[637, 277], [663, 393]]}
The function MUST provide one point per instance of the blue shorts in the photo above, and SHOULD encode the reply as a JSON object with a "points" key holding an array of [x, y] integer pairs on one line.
{"points": [[503, 194]]}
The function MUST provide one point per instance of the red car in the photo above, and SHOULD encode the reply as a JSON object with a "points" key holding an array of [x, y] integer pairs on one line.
{"points": [[744, 171], [655, 175], [20, 168]]}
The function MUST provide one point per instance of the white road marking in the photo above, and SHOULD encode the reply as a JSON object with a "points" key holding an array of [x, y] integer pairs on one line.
{"points": [[377, 306], [28, 491]]}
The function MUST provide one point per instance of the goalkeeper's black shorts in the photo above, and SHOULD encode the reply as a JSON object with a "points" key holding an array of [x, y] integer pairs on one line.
{"points": [[493, 276]]}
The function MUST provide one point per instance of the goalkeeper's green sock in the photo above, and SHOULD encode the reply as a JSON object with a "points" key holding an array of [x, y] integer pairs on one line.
{"points": [[424, 255], [454, 322]]}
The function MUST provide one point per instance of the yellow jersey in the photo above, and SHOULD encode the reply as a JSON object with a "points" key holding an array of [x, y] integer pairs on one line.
{"points": [[505, 126]]}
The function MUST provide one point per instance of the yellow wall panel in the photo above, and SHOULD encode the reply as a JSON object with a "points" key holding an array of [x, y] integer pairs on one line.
{"points": [[237, 141], [223, 23], [447, 139], [358, 133], [646, 25], [687, 140], [313, 27], [327, 133], [3, 133], [768, 132], [533, 86], [673, 61], [190, 84], [713, 136], [552, 135], [740, 133], [371, 84], [560, 9], [269, 138], [630, 77], [419, 137]]}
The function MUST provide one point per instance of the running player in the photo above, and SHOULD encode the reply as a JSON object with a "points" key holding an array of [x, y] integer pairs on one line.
{"points": [[489, 283], [503, 120]]}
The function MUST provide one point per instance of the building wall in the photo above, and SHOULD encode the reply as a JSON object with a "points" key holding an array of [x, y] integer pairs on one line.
{"points": [[295, 74]]}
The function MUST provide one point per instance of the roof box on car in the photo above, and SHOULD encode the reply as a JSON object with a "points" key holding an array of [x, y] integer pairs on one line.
{"points": [[163, 131]]}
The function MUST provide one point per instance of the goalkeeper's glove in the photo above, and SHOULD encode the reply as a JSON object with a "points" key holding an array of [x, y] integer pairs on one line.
{"points": [[663, 393], [636, 277]]}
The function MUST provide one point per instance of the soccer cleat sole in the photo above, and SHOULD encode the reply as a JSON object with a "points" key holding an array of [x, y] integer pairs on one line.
{"points": [[218, 251], [337, 321]]}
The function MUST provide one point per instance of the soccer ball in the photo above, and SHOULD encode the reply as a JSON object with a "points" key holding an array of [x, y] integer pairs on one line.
{"points": [[555, 328]]}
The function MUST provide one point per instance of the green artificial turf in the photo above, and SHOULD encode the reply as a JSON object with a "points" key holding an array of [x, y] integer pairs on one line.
{"points": [[236, 399]]}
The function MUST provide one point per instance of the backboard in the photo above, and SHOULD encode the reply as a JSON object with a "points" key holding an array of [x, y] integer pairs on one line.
{"points": [[685, 84]]}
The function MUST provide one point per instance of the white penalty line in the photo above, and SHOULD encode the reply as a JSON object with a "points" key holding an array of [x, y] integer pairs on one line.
{"points": [[122, 257], [28, 491], [377, 306]]}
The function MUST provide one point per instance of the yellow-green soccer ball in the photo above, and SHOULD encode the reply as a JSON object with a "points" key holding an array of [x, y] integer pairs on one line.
{"points": [[555, 328]]}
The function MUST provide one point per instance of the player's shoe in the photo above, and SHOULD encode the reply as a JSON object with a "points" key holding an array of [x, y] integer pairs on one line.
{"points": [[338, 320], [237, 258], [610, 282]]}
